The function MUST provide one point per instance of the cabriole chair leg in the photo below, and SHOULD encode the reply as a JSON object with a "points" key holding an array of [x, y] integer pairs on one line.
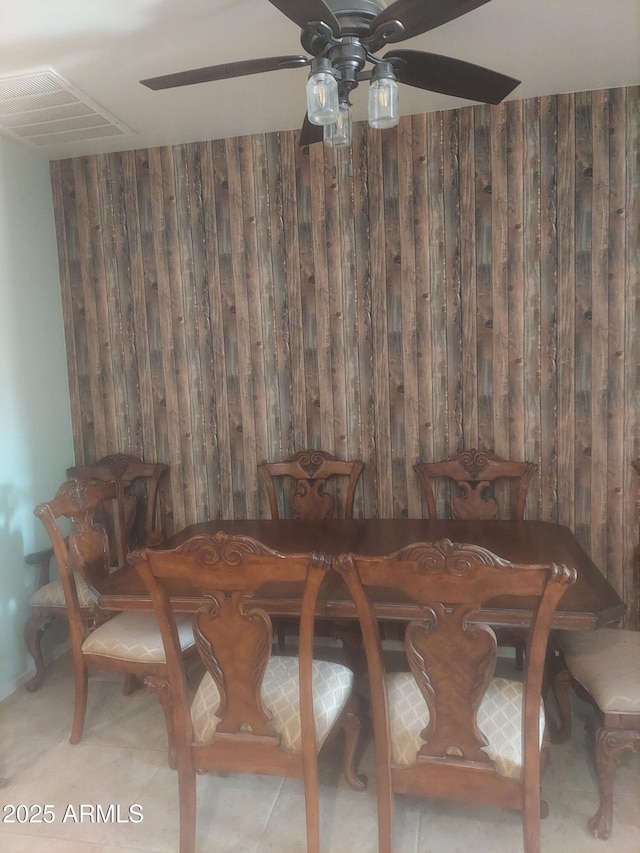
{"points": [[33, 631], [609, 746], [351, 727]]}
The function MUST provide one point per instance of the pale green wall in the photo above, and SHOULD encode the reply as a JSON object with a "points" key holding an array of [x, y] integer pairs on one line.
{"points": [[35, 422]]}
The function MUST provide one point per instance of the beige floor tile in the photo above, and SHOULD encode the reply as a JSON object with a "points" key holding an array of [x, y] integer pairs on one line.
{"points": [[69, 777], [234, 813]]}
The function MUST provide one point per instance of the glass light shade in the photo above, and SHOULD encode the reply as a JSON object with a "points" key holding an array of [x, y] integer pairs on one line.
{"points": [[383, 103], [338, 134], [322, 97]]}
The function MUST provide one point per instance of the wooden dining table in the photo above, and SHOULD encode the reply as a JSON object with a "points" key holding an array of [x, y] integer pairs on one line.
{"points": [[588, 604]]}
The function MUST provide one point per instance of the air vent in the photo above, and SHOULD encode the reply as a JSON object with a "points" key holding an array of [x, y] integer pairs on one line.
{"points": [[43, 109]]}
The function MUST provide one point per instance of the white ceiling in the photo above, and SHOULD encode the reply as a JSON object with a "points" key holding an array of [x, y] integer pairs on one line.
{"points": [[104, 47]]}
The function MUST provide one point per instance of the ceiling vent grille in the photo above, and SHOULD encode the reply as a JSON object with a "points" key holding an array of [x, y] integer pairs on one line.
{"points": [[43, 109]]}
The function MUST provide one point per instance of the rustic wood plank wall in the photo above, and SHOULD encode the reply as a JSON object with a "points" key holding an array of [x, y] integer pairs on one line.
{"points": [[470, 278]]}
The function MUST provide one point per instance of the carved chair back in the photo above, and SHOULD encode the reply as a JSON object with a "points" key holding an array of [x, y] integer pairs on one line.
{"points": [[130, 517], [86, 549], [474, 472], [309, 470], [234, 640], [452, 661]]}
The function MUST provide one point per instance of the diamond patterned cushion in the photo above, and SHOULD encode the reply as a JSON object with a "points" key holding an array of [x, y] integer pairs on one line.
{"points": [[499, 719], [135, 636], [52, 594], [607, 664], [332, 684]]}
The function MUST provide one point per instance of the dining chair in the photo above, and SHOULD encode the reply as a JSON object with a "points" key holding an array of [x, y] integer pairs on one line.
{"points": [[307, 472], [446, 727], [302, 494], [130, 520], [253, 712], [127, 642], [474, 473], [131, 517], [604, 666], [46, 604]]}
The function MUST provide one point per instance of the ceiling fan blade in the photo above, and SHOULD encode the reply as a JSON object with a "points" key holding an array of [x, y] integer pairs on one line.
{"points": [[420, 16], [303, 11], [225, 71], [450, 76], [310, 133]]}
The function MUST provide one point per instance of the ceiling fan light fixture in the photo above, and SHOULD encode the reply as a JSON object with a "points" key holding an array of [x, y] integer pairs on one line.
{"points": [[383, 97], [322, 92], [342, 37], [338, 134]]}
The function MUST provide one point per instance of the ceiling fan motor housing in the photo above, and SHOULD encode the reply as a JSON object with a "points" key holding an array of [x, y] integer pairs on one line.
{"points": [[355, 16], [350, 51]]}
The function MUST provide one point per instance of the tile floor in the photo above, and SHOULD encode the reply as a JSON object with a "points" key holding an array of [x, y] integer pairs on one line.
{"points": [[121, 761]]}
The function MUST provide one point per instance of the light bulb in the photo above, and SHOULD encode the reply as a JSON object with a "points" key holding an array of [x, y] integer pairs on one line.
{"points": [[338, 134], [383, 97], [322, 93]]}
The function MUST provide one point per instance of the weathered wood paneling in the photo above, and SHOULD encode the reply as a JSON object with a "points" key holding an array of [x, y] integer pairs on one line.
{"points": [[468, 279]]}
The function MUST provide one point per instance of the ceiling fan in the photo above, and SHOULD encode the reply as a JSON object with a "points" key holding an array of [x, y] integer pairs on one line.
{"points": [[342, 37]]}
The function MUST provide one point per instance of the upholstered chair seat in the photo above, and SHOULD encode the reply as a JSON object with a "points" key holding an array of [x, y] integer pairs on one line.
{"points": [[134, 636], [606, 664], [52, 594], [332, 686], [499, 720]]}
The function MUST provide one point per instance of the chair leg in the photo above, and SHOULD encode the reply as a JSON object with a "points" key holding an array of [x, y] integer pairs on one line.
{"points": [[351, 638], [187, 797], [351, 727], [33, 631], [129, 684], [531, 826], [609, 746], [561, 686], [81, 678], [385, 821], [158, 685], [312, 805]]}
